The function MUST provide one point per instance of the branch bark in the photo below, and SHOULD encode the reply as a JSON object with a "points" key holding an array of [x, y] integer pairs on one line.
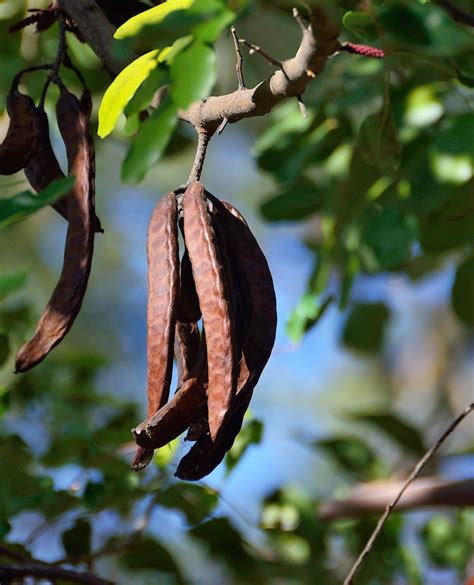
{"points": [[319, 42], [96, 31], [375, 497], [49, 572]]}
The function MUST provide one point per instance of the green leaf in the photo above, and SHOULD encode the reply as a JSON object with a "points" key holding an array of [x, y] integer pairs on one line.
{"points": [[406, 435], [11, 283], [195, 501], [193, 73], [19, 206], [360, 23], [378, 142], [296, 201], [122, 89], [77, 539], [150, 143], [153, 16], [149, 554], [310, 310], [365, 326], [389, 236], [352, 454], [462, 295], [448, 540], [251, 434]]}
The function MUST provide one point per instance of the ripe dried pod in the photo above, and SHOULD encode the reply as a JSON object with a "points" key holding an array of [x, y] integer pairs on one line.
{"points": [[252, 277], [186, 349], [188, 307], [65, 303], [22, 137], [215, 304], [44, 168], [163, 288]]}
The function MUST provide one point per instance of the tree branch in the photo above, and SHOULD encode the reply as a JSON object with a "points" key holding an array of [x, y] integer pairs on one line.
{"points": [[456, 13], [376, 496], [415, 473], [319, 42], [49, 572], [96, 31]]}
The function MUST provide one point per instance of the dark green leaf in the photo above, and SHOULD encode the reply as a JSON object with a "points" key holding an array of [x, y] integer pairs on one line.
{"points": [[196, 502], [378, 141], [20, 206], [406, 435], [150, 143], [389, 236], [149, 554], [297, 201], [365, 326], [193, 73], [4, 348], [352, 454], [77, 539], [463, 291]]}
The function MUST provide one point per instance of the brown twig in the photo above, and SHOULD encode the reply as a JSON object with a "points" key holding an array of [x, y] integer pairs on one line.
{"points": [[203, 142], [416, 471], [239, 63], [374, 497], [456, 13]]}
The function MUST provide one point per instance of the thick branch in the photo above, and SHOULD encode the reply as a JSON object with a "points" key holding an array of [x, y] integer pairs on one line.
{"points": [[319, 42], [375, 497], [96, 30], [9, 572]]}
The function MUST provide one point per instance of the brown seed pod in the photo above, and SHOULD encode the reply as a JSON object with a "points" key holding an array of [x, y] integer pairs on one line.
{"points": [[163, 287], [186, 349], [22, 137], [65, 303], [215, 303], [44, 168], [188, 306], [253, 277], [174, 417]]}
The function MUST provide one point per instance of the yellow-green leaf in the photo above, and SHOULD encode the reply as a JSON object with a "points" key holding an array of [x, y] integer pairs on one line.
{"points": [[122, 89], [150, 17]]}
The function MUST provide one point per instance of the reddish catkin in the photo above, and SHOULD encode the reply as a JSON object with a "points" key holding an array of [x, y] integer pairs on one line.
{"points": [[22, 137], [163, 289], [44, 168], [214, 301], [66, 300], [253, 277]]}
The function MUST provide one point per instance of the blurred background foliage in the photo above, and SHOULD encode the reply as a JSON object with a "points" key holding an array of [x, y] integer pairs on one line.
{"points": [[365, 210]]}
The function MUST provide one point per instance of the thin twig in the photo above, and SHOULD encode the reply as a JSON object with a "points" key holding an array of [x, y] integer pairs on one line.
{"points": [[416, 471], [239, 63], [61, 45], [299, 19], [203, 141], [256, 49]]}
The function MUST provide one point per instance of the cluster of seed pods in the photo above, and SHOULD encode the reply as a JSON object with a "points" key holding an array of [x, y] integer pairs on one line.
{"points": [[27, 147], [216, 311]]}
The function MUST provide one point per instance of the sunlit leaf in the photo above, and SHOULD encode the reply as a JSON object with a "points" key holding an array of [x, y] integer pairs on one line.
{"points": [[122, 89]]}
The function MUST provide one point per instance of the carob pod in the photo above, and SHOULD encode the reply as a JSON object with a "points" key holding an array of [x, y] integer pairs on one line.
{"points": [[215, 304], [22, 137], [253, 272], [189, 310], [66, 300], [173, 418], [44, 168], [163, 289], [186, 349]]}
